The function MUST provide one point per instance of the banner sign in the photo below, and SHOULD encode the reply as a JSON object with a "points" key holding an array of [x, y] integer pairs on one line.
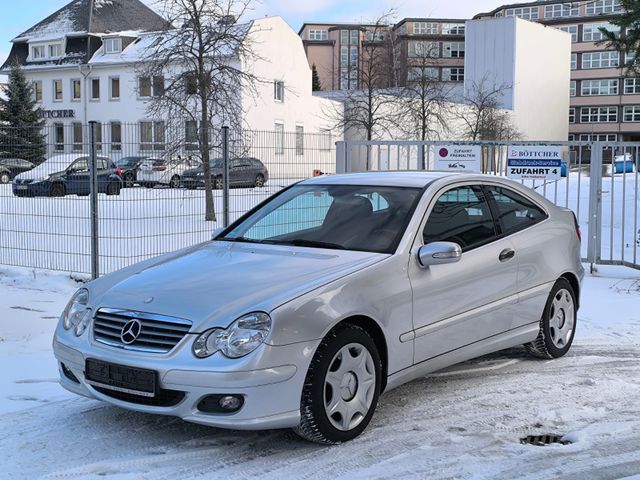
{"points": [[463, 158], [534, 163]]}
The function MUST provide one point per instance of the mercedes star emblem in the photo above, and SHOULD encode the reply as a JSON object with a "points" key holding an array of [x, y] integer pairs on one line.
{"points": [[130, 332]]}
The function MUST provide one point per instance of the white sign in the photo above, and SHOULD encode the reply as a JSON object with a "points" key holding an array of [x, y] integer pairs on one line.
{"points": [[463, 158], [534, 163]]}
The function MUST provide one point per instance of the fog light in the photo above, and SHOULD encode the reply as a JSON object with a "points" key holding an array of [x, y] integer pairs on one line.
{"points": [[221, 403]]}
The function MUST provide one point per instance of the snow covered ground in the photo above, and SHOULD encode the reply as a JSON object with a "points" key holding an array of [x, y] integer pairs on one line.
{"points": [[464, 422]]}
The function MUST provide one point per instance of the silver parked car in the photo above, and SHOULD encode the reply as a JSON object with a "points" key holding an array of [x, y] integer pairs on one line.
{"points": [[338, 288]]}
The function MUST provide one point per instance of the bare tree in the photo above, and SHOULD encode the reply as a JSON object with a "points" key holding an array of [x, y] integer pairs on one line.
{"points": [[367, 78], [482, 116], [425, 108], [197, 72]]}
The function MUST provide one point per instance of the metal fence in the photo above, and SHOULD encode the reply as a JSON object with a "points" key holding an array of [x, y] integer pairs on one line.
{"points": [[151, 199], [599, 183]]}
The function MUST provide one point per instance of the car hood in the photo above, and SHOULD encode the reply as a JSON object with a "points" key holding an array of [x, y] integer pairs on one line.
{"points": [[43, 170], [200, 171], [217, 282]]}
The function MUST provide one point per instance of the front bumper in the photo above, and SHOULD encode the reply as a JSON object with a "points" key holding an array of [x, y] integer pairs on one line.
{"points": [[271, 395], [33, 189]]}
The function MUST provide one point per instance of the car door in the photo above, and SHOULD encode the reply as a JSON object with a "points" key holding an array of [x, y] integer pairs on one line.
{"points": [[236, 175], [457, 304], [77, 177], [104, 173], [518, 217]]}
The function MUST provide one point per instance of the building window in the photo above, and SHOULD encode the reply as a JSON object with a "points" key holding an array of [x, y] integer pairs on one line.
{"points": [[148, 86], [422, 49], [374, 36], [453, 28], [571, 29], [37, 90], [344, 37], [191, 84], [152, 135], [572, 88], [279, 129], [453, 74], [599, 115], [599, 87], [574, 61], [55, 50], [423, 74], [631, 86], [278, 90], [344, 80], [191, 135], [453, 50], [98, 136], [112, 45], [425, 28], [344, 56], [353, 80], [354, 37], [603, 137], [353, 56], [58, 132], [38, 52], [560, 10], [591, 32], [95, 89], [325, 139], [116, 136], [77, 137], [57, 90], [572, 115], [114, 88], [571, 137], [600, 7], [299, 140], [528, 13], [600, 60], [631, 113], [318, 35], [76, 90]]}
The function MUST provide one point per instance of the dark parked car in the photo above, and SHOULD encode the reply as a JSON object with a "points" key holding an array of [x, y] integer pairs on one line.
{"points": [[129, 167], [10, 167], [243, 172], [67, 175]]}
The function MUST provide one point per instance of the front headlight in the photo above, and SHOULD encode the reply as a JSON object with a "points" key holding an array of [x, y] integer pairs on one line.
{"points": [[239, 339], [40, 179], [76, 315]]}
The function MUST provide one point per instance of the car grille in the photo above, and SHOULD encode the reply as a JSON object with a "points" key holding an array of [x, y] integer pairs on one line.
{"points": [[163, 398], [158, 333], [23, 182]]}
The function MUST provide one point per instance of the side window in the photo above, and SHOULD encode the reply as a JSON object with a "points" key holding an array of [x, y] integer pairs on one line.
{"points": [[515, 212], [462, 216], [378, 202], [102, 163], [79, 165]]}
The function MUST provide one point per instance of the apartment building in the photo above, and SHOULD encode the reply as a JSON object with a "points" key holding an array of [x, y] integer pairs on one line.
{"points": [[416, 45], [604, 99]]}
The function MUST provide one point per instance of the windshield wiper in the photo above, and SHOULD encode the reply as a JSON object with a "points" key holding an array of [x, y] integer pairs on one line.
{"points": [[300, 242], [244, 240]]}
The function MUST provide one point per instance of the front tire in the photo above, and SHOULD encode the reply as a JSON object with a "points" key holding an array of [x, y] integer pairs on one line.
{"points": [[129, 180], [57, 190], [4, 178], [259, 182], [218, 183], [342, 387], [113, 189], [558, 323], [174, 182]]}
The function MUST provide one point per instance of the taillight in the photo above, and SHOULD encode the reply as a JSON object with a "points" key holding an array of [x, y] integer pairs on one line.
{"points": [[159, 169], [119, 170]]}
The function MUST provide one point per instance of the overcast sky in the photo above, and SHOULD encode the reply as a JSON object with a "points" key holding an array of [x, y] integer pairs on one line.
{"points": [[16, 18]]}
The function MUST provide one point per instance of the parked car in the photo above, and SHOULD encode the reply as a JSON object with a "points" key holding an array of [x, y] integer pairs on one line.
{"points": [[243, 172], [67, 174], [156, 171], [336, 289], [10, 167], [129, 167]]}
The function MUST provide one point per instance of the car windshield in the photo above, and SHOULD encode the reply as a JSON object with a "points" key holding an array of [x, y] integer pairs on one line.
{"points": [[343, 217], [216, 163], [125, 162]]}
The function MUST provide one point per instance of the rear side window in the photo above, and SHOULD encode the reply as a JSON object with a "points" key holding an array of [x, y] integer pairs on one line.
{"points": [[514, 211], [462, 216]]}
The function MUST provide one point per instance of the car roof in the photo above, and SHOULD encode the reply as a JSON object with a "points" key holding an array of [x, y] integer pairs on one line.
{"points": [[385, 179]]}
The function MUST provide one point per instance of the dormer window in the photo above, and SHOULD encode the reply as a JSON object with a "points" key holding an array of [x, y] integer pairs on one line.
{"points": [[112, 45], [38, 52]]}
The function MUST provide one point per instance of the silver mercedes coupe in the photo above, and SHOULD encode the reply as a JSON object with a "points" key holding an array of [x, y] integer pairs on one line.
{"points": [[333, 291]]}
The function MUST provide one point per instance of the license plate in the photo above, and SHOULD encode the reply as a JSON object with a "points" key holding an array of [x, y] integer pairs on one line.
{"points": [[120, 378], [21, 187]]}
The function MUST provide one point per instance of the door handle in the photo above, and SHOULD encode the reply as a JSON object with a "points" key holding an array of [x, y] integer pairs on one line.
{"points": [[507, 254]]}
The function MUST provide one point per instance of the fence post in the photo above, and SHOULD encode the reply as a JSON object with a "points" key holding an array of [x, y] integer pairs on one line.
{"points": [[594, 242], [341, 157], [225, 188], [93, 199]]}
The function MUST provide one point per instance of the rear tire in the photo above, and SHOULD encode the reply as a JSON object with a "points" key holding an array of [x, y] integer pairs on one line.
{"points": [[113, 188], [558, 323], [174, 182], [342, 387], [57, 190], [129, 180], [218, 184], [259, 183], [4, 178]]}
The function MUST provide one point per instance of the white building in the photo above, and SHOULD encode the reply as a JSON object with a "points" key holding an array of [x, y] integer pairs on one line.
{"points": [[82, 62]]}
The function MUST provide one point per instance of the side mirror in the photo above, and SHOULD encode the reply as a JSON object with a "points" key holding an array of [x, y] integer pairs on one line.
{"points": [[216, 232], [439, 253]]}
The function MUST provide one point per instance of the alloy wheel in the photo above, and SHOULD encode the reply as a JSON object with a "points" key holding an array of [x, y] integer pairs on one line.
{"points": [[561, 318]]}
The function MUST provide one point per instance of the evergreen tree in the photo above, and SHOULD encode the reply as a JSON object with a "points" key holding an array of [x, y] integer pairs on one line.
{"points": [[315, 79], [20, 120], [627, 43]]}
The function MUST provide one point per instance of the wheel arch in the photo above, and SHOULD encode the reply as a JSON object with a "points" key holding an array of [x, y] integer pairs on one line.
{"points": [[372, 327], [575, 284]]}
